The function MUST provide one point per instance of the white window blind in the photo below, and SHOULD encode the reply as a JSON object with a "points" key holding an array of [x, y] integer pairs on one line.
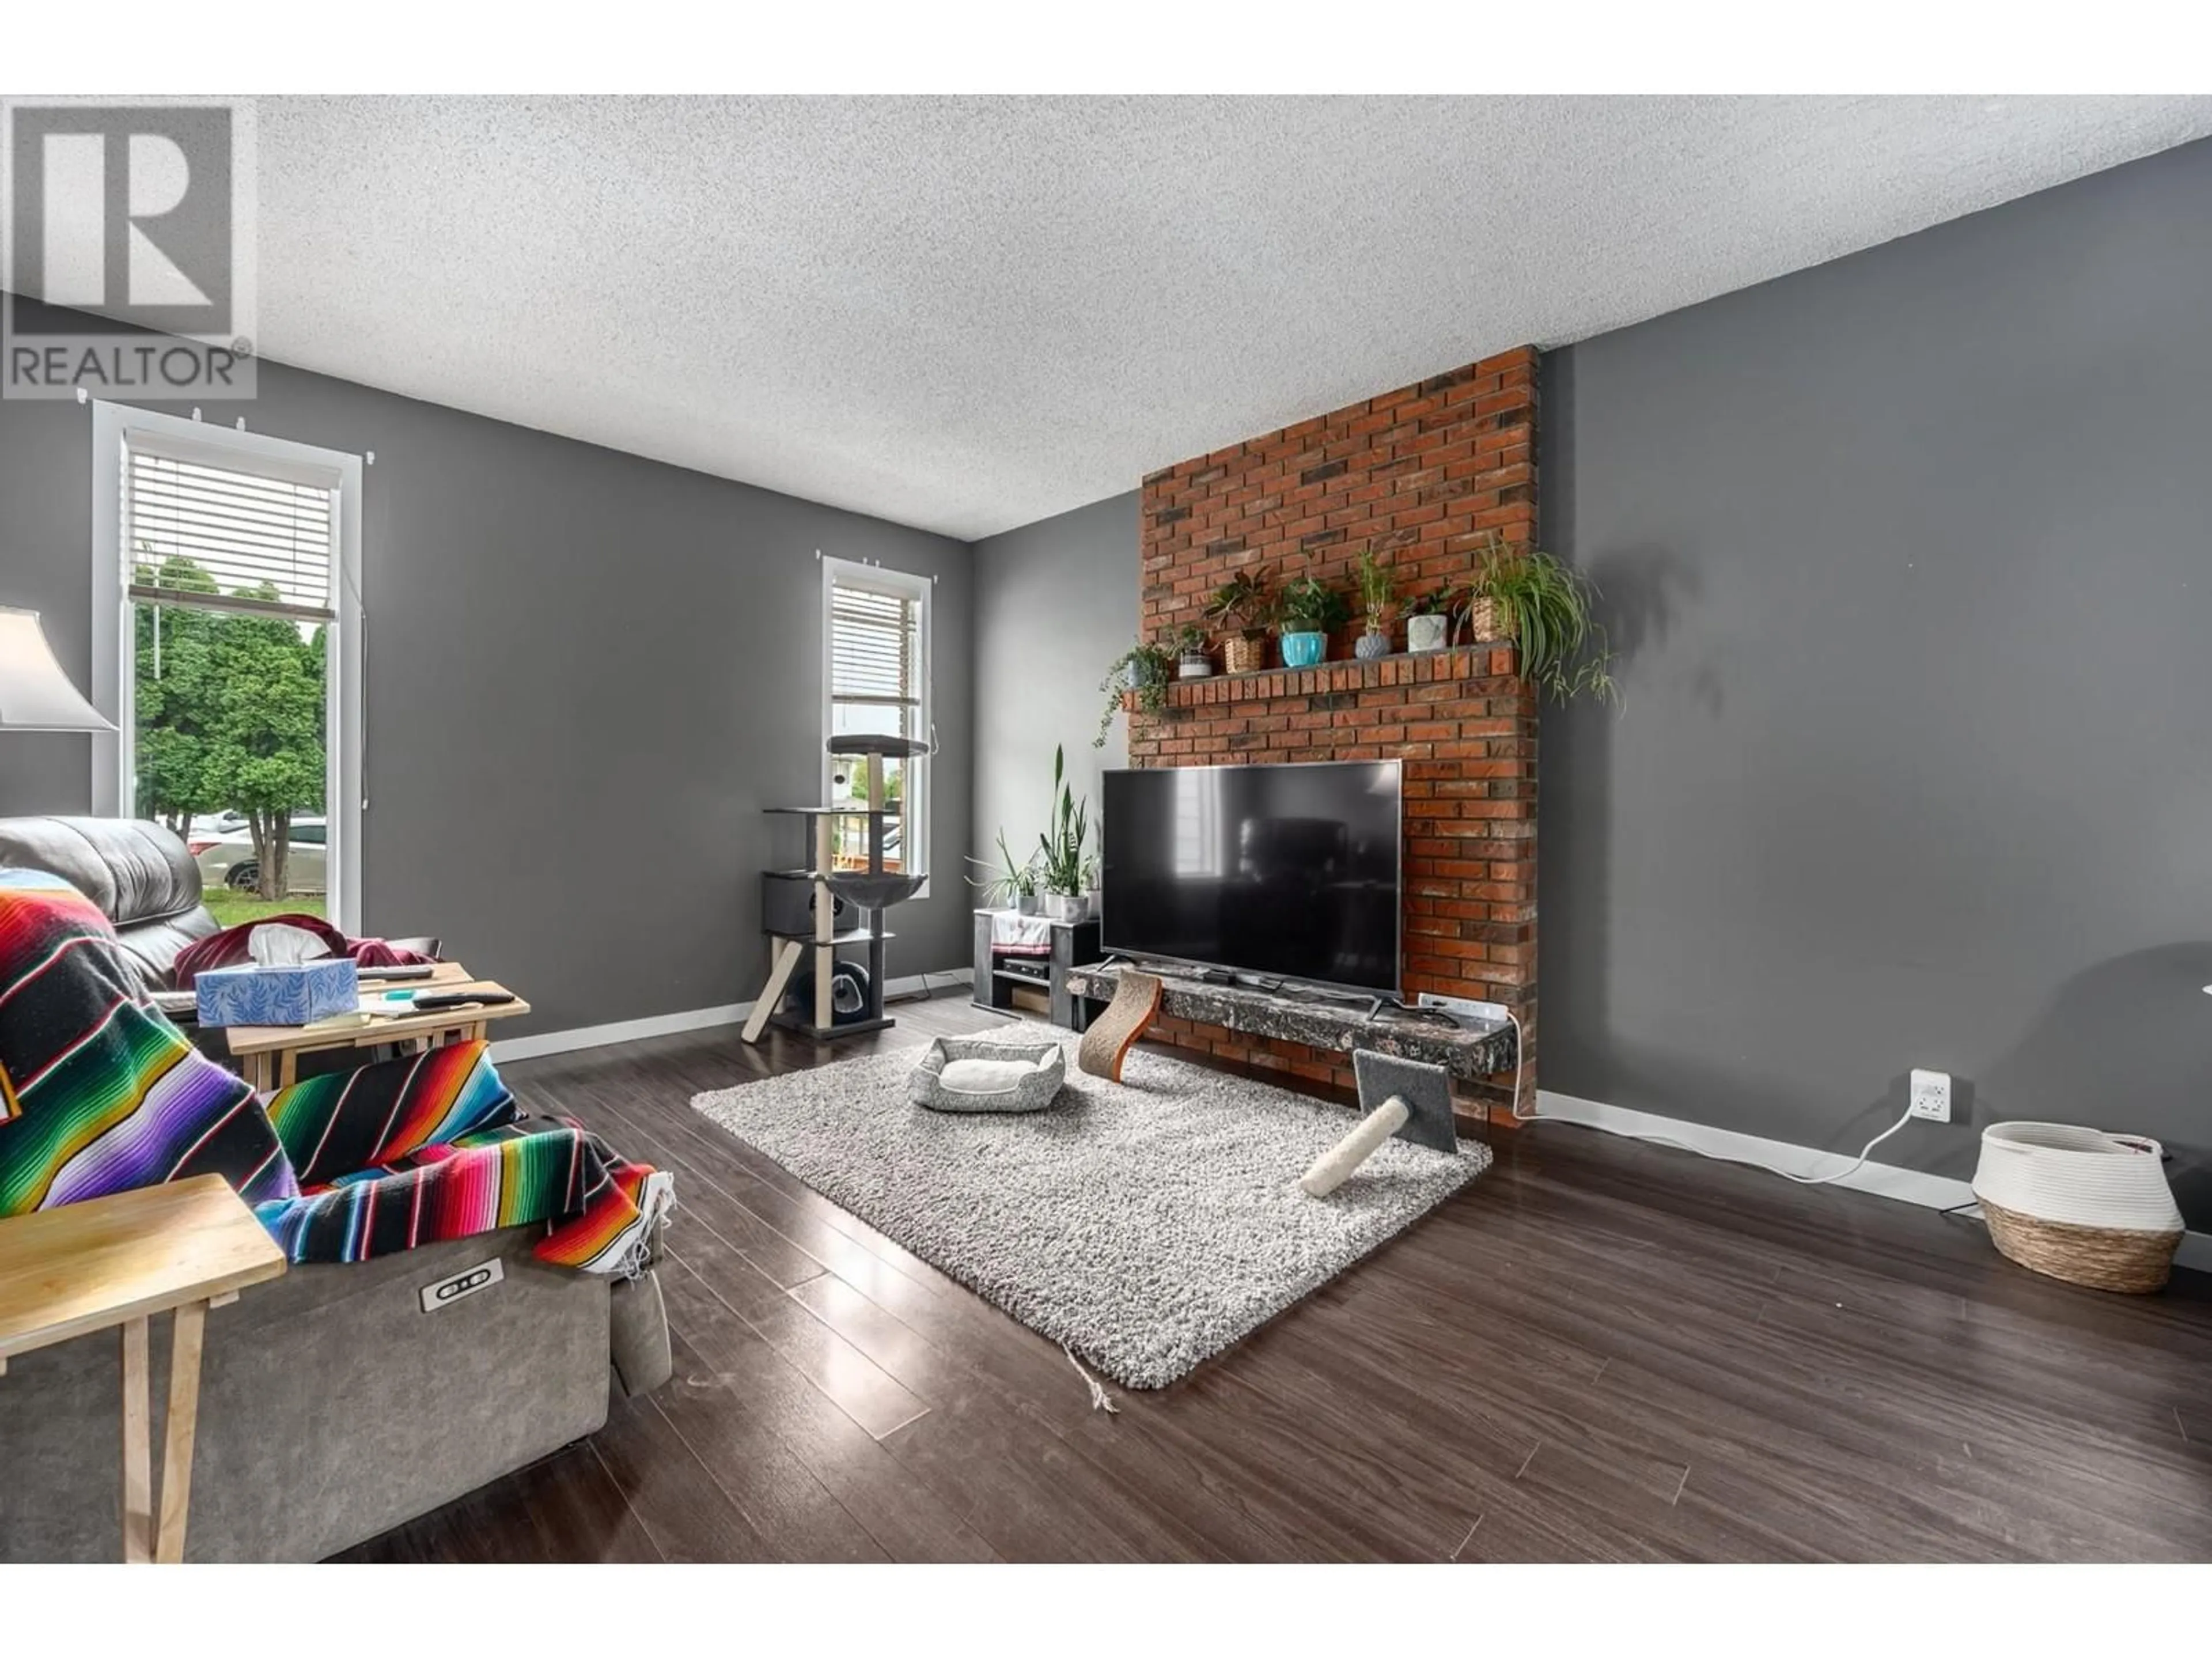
{"points": [[215, 537], [875, 648]]}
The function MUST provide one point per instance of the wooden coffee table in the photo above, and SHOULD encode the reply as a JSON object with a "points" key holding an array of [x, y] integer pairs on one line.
{"points": [[270, 1054], [114, 1264]]}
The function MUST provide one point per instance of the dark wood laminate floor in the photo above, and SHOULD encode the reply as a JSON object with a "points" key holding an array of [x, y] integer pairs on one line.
{"points": [[1600, 1351]]}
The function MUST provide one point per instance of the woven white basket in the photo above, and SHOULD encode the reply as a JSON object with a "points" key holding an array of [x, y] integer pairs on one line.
{"points": [[2079, 1204], [2057, 1172]]}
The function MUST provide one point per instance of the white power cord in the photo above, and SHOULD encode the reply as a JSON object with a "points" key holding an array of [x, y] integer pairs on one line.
{"points": [[1857, 1164], [1520, 1061], [1851, 1169]]}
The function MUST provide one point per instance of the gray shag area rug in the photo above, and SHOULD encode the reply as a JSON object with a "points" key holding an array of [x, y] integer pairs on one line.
{"points": [[1147, 1224]]}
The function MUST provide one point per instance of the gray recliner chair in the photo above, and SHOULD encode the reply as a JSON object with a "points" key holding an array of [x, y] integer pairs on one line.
{"points": [[337, 1401]]}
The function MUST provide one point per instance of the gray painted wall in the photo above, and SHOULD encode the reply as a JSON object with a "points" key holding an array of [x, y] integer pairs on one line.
{"points": [[587, 673], [1908, 554], [1055, 602], [1915, 768]]}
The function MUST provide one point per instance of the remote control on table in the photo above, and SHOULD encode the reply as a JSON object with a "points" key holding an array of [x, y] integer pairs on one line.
{"points": [[431, 1005]]}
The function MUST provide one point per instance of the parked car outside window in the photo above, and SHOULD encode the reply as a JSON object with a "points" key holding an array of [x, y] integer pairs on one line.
{"points": [[230, 860]]}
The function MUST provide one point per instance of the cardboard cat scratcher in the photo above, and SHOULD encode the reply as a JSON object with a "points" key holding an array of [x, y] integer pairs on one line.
{"points": [[1136, 1004]]}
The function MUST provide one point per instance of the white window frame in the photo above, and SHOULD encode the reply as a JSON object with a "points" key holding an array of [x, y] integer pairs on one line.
{"points": [[113, 426], [913, 831]]}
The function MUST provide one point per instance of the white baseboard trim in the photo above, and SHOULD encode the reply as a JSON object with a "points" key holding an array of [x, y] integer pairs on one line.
{"points": [[691, 1019], [1883, 1180], [624, 1030]]}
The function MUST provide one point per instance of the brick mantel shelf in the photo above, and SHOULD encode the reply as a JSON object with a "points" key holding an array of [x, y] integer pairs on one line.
{"points": [[1485, 659], [1427, 476]]}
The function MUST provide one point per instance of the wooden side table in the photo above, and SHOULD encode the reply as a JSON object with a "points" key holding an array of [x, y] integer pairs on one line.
{"points": [[114, 1264], [270, 1054]]}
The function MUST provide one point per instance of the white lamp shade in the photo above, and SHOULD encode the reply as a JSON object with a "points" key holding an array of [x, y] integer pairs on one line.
{"points": [[35, 695]]}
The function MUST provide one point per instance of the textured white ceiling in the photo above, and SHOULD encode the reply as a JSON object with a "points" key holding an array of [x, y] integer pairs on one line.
{"points": [[969, 314]]}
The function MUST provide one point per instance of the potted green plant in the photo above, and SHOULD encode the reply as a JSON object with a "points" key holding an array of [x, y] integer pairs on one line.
{"points": [[1243, 608], [1192, 662], [1009, 884], [1376, 590], [1543, 606], [1064, 849], [1143, 668], [1308, 612], [1429, 620]]}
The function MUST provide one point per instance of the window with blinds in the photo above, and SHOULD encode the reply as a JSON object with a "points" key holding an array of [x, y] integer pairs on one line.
{"points": [[214, 538], [228, 567], [875, 640]]}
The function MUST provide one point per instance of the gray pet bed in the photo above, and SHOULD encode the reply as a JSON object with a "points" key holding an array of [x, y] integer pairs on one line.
{"points": [[968, 1074]]}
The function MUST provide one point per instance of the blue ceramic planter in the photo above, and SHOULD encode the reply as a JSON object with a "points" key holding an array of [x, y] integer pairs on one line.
{"points": [[1304, 650]]}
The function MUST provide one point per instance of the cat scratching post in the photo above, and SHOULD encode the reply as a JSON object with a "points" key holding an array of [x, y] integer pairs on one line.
{"points": [[1330, 1168], [873, 889], [1414, 1104]]}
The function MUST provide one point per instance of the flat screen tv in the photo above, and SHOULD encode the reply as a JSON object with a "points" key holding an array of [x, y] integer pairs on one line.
{"points": [[1279, 871]]}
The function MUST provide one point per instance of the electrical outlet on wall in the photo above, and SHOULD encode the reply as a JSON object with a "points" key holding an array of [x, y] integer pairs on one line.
{"points": [[1931, 1095]]}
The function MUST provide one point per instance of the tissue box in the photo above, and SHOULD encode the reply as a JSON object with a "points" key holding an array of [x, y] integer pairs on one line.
{"points": [[296, 994]]}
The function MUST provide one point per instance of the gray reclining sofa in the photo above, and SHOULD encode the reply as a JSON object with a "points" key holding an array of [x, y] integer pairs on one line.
{"points": [[332, 1404]]}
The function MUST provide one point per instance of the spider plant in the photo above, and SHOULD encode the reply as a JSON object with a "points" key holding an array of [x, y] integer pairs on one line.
{"points": [[1545, 607]]}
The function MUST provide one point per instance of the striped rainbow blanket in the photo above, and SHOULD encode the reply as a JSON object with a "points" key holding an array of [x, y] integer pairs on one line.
{"points": [[431, 1146], [101, 1093]]}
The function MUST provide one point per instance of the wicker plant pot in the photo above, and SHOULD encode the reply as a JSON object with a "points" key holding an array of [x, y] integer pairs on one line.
{"points": [[1484, 621], [2079, 1205], [1240, 655]]}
